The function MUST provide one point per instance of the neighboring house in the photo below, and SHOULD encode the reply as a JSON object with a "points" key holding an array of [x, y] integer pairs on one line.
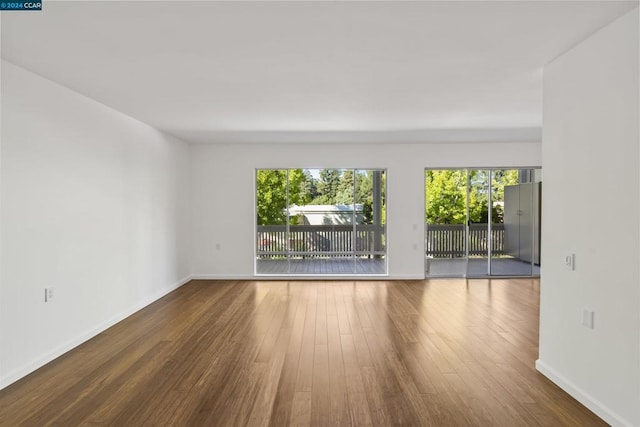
{"points": [[327, 214]]}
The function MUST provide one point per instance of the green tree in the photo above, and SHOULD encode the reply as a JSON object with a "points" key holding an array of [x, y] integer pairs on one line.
{"points": [[310, 185], [271, 194], [364, 194], [501, 179], [478, 196], [298, 184], [271, 197], [344, 195], [328, 187], [446, 196]]}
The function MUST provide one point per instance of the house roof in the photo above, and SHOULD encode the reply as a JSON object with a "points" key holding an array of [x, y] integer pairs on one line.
{"points": [[325, 208]]}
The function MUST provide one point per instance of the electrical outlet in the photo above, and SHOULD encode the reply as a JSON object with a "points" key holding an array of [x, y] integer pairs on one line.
{"points": [[48, 294], [588, 316], [570, 262]]}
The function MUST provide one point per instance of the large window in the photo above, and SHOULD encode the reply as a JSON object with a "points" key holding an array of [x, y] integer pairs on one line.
{"points": [[321, 222]]}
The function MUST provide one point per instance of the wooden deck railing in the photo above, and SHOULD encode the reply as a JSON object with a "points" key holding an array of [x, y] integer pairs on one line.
{"points": [[441, 241], [447, 241], [323, 240]]}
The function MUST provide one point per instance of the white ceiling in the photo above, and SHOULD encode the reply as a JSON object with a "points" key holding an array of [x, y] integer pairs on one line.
{"points": [[295, 71]]}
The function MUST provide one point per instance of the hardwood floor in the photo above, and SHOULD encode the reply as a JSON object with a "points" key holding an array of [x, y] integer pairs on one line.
{"points": [[433, 353]]}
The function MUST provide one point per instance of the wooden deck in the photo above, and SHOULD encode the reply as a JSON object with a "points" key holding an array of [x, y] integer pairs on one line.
{"points": [[477, 267], [326, 266], [324, 353]]}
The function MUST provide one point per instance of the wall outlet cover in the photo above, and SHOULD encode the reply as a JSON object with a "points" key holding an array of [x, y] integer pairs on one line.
{"points": [[588, 318], [570, 261]]}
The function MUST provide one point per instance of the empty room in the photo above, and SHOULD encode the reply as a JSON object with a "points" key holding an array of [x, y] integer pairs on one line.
{"points": [[229, 213]]}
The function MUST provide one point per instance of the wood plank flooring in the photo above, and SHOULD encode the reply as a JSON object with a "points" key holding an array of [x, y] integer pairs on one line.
{"points": [[321, 266], [235, 353]]}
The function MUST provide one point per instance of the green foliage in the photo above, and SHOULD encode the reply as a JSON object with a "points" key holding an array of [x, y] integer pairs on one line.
{"points": [[344, 195], [328, 187], [309, 186], [446, 196], [364, 195], [333, 187], [478, 196], [271, 197], [298, 183], [445, 193], [271, 192], [502, 178]]}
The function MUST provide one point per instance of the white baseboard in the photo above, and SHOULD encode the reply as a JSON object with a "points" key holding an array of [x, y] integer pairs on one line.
{"points": [[304, 277], [32, 365], [582, 396], [221, 277], [407, 277]]}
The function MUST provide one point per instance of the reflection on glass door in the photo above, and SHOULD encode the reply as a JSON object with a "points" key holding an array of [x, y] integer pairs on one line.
{"points": [[517, 217], [446, 223]]}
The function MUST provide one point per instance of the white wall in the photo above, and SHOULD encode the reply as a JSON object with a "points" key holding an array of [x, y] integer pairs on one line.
{"points": [[95, 204], [0, 203], [223, 193], [592, 208]]}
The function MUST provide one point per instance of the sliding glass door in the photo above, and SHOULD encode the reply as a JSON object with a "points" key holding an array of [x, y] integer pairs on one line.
{"points": [[482, 223], [518, 219], [320, 222], [271, 212], [446, 229], [479, 213], [370, 230]]}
